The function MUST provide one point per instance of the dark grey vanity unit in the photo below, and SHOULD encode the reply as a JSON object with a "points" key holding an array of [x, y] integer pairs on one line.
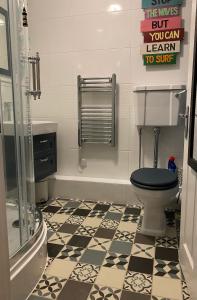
{"points": [[44, 148], [45, 155]]}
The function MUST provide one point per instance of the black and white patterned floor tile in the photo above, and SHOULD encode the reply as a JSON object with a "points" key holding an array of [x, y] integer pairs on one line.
{"points": [[168, 242], [99, 250], [125, 236], [76, 220], [87, 205], [86, 230], [85, 273], [97, 213], [99, 244], [49, 287], [52, 226], [59, 238], [186, 295], [117, 260], [138, 282], [167, 269], [106, 293], [142, 250], [71, 253], [109, 224], [67, 210], [117, 208], [130, 218]]}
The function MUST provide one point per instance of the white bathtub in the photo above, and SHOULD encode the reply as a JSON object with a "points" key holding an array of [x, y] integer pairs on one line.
{"points": [[95, 189]]}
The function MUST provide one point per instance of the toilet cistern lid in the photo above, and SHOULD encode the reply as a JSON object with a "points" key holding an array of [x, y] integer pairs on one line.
{"points": [[154, 179]]}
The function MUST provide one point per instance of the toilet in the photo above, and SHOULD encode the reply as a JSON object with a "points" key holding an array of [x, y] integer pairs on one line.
{"points": [[155, 189]]}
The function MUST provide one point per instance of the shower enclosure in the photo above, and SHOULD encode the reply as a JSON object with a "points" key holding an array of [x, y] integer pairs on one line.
{"points": [[26, 230]]}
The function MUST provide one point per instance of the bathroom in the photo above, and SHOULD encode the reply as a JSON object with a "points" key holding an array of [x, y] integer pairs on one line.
{"points": [[97, 150]]}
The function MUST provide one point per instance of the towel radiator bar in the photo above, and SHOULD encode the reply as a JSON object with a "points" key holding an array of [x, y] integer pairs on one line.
{"points": [[97, 123]]}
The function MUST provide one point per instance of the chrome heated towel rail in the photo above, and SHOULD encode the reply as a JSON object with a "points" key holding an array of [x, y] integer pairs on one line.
{"points": [[97, 122]]}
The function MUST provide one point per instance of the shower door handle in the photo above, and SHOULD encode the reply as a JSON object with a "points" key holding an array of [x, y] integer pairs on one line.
{"points": [[33, 92], [36, 86], [38, 75]]}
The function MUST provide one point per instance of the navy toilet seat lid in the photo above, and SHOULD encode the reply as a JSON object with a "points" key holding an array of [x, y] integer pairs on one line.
{"points": [[154, 179]]}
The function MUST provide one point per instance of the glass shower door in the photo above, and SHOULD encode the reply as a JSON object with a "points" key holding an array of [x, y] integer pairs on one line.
{"points": [[10, 165], [16, 130]]}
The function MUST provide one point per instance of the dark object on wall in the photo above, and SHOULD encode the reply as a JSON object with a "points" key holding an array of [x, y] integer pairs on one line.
{"points": [[24, 14], [5, 62], [192, 156]]}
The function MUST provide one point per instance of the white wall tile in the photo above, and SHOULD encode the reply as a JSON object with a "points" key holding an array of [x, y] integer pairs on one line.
{"points": [[67, 161], [90, 7], [133, 161], [124, 100], [51, 9], [102, 31], [55, 32], [123, 134], [56, 102], [48, 9], [103, 161], [62, 69], [67, 133], [87, 32], [82, 37]]}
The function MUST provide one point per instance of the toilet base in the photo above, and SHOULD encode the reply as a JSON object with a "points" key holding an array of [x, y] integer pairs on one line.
{"points": [[151, 232], [154, 221]]}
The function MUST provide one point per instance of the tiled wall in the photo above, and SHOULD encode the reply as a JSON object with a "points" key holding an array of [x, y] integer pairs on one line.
{"points": [[83, 37]]}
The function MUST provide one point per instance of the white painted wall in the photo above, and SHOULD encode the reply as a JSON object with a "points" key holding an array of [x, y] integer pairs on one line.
{"points": [[83, 37]]}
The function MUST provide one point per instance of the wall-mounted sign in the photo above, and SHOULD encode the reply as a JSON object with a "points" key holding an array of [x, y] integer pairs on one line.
{"points": [[160, 24], [162, 30], [165, 35], [154, 48], [158, 12], [160, 59], [158, 3]]}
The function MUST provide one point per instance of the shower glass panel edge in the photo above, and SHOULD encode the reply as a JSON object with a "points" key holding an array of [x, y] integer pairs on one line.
{"points": [[24, 144]]}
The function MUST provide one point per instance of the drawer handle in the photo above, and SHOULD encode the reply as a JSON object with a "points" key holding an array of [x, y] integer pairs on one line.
{"points": [[43, 141], [44, 160]]}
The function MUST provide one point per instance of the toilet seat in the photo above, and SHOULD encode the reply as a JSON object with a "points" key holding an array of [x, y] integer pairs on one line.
{"points": [[154, 179]]}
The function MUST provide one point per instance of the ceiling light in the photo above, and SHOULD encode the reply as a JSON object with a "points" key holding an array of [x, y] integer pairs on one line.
{"points": [[114, 7]]}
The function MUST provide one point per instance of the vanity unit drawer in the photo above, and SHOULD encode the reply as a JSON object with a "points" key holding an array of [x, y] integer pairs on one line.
{"points": [[45, 142], [45, 155], [44, 166]]}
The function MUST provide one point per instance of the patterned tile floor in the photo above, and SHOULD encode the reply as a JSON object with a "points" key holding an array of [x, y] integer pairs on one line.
{"points": [[96, 251]]}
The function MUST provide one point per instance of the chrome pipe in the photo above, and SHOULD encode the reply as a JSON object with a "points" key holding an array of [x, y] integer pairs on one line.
{"points": [[156, 146], [140, 146]]}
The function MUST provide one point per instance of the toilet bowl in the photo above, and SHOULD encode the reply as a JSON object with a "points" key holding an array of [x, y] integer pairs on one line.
{"points": [[155, 189]]}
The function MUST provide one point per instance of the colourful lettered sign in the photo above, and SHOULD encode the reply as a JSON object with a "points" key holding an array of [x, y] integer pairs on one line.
{"points": [[160, 3], [170, 11], [160, 24], [160, 59], [164, 47], [165, 35]]}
